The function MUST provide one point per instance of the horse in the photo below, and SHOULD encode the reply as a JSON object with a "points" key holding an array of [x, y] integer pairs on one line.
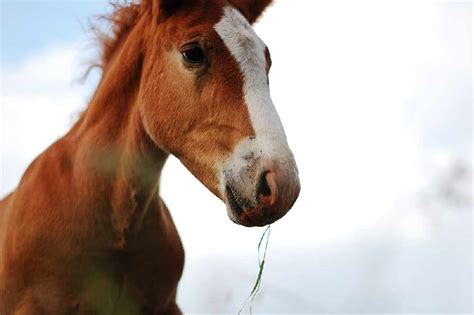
{"points": [[85, 231]]}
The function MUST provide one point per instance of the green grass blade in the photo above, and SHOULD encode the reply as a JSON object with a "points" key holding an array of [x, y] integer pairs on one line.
{"points": [[261, 265]]}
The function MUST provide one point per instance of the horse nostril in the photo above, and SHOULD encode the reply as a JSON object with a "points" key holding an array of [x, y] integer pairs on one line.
{"points": [[267, 189], [263, 188]]}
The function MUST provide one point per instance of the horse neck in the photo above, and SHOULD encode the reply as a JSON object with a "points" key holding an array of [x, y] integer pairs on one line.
{"points": [[121, 160]]}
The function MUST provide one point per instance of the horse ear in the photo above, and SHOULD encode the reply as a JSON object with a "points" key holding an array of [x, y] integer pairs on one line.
{"points": [[251, 9], [163, 8], [167, 7]]}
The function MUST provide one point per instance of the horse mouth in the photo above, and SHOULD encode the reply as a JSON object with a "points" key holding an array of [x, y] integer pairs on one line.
{"points": [[233, 201], [243, 215]]}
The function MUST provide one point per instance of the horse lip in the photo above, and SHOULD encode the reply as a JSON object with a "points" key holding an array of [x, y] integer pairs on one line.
{"points": [[233, 201], [244, 215], [246, 220]]}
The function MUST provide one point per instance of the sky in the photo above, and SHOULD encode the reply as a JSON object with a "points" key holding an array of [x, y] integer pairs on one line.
{"points": [[31, 25], [376, 101]]}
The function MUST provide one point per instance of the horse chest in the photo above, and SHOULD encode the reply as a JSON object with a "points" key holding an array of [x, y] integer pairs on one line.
{"points": [[141, 279], [156, 267]]}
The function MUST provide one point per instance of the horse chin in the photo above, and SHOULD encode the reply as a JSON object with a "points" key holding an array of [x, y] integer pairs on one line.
{"points": [[247, 218]]}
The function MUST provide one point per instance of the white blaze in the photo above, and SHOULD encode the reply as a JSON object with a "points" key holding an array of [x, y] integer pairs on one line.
{"points": [[249, 52], [269, 143]]}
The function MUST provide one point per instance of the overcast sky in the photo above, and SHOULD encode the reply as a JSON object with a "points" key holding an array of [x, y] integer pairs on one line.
{"points": [[376, 100]]}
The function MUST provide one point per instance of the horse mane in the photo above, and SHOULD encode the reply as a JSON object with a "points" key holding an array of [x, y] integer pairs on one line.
{"points": [[109, 31], [119, 22]]}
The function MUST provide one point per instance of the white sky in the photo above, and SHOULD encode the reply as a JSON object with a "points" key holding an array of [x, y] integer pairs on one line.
{"points": [[376, 99]]}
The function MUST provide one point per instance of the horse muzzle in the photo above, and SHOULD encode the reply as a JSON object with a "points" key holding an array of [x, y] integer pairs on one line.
{"points": [[261, 191]]}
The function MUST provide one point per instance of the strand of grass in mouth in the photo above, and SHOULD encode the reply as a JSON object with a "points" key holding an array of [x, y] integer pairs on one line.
{"points": [[261, 265]]}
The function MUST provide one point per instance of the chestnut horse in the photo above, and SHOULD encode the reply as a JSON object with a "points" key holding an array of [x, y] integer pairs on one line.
{"points": [[86, 232]]}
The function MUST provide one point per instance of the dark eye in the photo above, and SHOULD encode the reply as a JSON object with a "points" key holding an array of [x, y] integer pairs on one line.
{"points": [[194, 55]]}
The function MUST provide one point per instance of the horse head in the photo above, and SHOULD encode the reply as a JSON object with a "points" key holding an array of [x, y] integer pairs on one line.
{"points": [[204, 97]]}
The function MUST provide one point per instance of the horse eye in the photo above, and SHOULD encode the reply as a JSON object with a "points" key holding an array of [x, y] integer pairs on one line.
{"points": [[194, 55]]}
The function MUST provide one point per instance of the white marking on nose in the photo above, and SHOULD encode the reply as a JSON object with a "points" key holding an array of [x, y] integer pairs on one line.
{"points": [[249, 52], [269, 147]]}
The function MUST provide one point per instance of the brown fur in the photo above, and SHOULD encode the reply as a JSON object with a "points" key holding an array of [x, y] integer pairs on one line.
{"points": [[86, 232]]}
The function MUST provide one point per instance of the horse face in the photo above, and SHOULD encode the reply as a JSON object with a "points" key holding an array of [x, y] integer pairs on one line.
{"points": [[206, 99]]}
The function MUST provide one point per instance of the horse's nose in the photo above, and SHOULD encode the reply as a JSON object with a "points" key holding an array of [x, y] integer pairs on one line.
{"points": [[264, 191], [277, 191]]}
